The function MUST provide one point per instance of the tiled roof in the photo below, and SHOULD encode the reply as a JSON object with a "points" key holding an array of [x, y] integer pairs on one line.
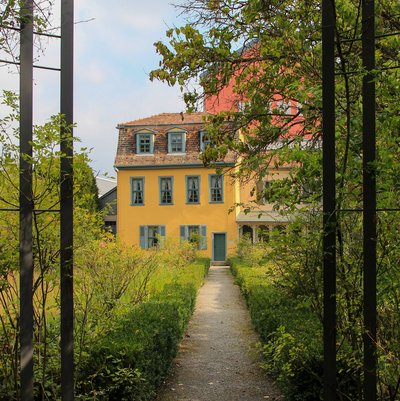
{"points": [[191, 123], [168, 119]]}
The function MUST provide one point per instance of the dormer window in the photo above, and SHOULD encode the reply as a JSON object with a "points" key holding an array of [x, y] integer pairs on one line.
{"points": [[204, 140], [145, 142], [176, 142]]}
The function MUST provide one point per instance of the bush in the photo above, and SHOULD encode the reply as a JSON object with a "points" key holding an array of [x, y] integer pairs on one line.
{"points": [[254, 254], [133, 358], [291, 336]]}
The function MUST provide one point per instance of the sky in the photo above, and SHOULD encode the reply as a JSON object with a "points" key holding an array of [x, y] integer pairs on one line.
{"points": [[114, 53]]}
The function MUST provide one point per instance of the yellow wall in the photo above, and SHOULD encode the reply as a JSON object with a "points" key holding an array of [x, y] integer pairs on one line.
{"points": [[214, 215], [248, 187]]}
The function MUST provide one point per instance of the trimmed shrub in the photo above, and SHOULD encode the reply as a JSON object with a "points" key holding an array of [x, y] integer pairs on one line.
{"points": [[133, 358], [291, 336]]}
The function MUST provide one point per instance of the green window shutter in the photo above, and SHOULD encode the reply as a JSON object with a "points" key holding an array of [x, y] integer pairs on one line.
{"points": [[201, 140], [143, 237], [204, 140], [221, 185], [169, 141], [184, 142], [203, 233], [183, 232], [160, 190], [152, 139], [137, 143], [161, 231], [209, 188]]}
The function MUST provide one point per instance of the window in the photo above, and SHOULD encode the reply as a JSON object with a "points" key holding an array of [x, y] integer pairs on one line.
{"points": [[216, 188], [151, 236], [166, 190], [195, 234], [176, 142], [144, 143], [137, 191], [193, 189], [204, 140], [265, 192]]}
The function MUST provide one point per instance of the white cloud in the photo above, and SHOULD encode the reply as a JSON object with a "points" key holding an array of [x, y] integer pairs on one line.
{"points": [[113, 53]]}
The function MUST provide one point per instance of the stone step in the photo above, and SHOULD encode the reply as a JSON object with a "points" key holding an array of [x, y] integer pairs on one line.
{"points": [[218, 263]]}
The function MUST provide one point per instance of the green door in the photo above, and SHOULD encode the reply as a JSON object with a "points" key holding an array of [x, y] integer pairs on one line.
{"points": [[219, 247]]}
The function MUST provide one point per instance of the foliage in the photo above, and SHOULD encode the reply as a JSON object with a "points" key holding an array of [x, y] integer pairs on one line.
{"points": [[131, 359], [111, 280], [12, 16], [270, 51], [249, 252], [45, 165], [109, 275], [290, 333]]}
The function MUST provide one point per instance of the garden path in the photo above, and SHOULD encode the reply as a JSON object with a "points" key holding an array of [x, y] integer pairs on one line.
{"points": [[218, 358]]}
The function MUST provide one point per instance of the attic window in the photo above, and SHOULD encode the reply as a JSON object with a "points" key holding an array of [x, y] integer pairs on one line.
{"points": [[204, 140], [176, 142], [145, 143]]}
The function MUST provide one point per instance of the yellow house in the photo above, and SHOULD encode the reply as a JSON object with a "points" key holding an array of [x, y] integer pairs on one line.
{"points": [[164, 190]]}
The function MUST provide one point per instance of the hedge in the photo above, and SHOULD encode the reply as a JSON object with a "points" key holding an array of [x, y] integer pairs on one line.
{"points": [[291, 337], [131, 361]]}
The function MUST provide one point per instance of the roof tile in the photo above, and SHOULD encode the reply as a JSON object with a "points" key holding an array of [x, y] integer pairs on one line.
{"points": [[169, 119]]}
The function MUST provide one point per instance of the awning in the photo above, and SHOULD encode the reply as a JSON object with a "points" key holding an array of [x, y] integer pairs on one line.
{"points": [[261, 216]]}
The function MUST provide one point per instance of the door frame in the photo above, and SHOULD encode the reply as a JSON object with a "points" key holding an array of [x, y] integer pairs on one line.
{"points": [[226, 244]]}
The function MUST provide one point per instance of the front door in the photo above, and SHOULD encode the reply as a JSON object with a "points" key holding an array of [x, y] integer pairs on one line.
{"points": [[219, 247]]}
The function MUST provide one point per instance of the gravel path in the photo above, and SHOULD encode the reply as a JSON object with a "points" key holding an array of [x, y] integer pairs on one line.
{"points": [[217, 360]]}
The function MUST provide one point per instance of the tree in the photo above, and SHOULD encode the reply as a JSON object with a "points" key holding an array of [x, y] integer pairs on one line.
{"points": [[11, 18], [270, 50], [45, 163]]}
